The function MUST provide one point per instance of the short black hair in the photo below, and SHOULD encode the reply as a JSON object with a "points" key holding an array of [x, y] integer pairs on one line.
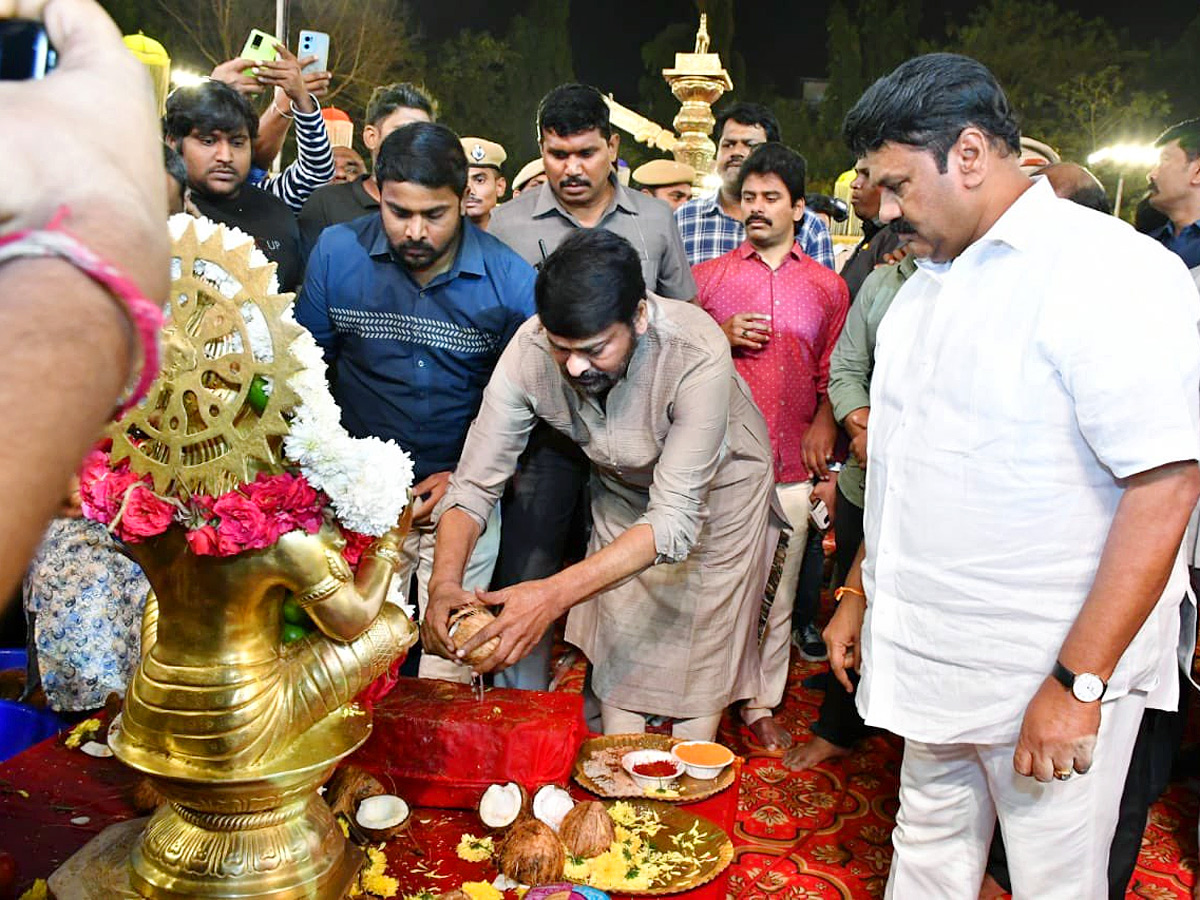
{"points": [[926, 102], [748, 114], [387, 98], [773, 158], [424, 153], [174, 164], [573, 109], [1187, 133], [834, 207], [207, 107], [591, 281]]}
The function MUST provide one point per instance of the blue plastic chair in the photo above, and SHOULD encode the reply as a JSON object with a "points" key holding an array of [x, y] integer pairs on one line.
{"points": [[22, 726]]}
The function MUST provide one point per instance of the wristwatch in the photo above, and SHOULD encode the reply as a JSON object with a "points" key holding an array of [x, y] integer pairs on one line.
{"points": [[1086, 687]]}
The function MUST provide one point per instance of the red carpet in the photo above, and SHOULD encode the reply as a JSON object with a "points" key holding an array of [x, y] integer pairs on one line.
{"points": [[826, 833]]}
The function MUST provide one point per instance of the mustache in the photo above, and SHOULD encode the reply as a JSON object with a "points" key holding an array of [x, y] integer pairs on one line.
{"points": [[1152, 187], [575, 181], [903, 226], [755, 217], [413, 246]]}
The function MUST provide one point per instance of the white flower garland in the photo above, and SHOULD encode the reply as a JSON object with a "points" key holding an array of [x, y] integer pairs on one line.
{"points": [[367, 479]]}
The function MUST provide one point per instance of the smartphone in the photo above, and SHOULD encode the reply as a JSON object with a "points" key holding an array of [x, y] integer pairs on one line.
{"points": [[314, 42], [25, 50], [818, 514], [260, 47]]}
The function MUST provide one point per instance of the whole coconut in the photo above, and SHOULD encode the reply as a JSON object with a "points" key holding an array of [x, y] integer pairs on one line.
{"points": [[464, 625], [532, 854], [587, 830]]}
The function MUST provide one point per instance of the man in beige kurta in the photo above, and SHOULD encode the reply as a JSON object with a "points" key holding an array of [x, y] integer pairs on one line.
{"points": [[676, 444]]}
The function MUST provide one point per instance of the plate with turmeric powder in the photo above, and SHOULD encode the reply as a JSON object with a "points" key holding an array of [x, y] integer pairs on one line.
{"points": [[598, 768]]}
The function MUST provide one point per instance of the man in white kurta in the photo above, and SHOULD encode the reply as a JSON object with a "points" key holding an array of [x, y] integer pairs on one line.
{"points": [[1031, 463]]}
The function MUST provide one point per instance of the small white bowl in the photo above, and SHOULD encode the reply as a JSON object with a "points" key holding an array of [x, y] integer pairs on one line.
{"points": [[701, 773], [651, 782]]}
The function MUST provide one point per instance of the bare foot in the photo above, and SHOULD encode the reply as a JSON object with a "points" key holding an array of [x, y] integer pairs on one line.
{"points": [[991, 889], [814, 752], [770, 734]]}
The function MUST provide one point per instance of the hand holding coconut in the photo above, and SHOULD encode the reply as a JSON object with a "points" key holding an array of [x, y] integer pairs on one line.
{"points": [[529, 608]]}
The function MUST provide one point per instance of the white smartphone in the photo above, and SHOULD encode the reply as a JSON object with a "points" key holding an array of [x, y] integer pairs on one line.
{"points": [[314, 42], [818, 514]]}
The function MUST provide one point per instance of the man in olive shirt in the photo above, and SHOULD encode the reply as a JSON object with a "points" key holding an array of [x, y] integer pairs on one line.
{"points": [[582, 191], [579, 148]]}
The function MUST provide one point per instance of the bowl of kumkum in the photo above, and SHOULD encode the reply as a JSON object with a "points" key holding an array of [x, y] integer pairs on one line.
{"points": [[657, 849], [652, 770]]}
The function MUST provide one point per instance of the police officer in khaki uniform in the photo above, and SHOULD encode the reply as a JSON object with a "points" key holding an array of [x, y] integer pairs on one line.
{"points": [[666, 179], [485, 184], [531, 176]]}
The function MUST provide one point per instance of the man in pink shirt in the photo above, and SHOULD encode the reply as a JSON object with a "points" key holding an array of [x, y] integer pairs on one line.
{"points": [[782, 313]]}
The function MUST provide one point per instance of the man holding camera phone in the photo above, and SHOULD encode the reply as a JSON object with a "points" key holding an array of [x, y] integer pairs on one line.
{"points": [[295, 92], [66, 342]]}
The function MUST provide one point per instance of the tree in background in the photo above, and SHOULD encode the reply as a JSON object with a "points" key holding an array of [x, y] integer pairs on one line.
{"points": [[202, 33], [490, 86]]}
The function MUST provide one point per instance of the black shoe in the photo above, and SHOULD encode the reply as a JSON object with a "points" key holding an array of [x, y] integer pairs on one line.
{"points": [[810, 644]]}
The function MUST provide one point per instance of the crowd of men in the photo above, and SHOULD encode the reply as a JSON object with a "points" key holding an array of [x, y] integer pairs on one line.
{"points": [[996, 401]]}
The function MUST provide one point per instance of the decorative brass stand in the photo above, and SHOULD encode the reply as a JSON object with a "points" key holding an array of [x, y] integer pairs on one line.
{"points": [[698, 80], [234, 728]]}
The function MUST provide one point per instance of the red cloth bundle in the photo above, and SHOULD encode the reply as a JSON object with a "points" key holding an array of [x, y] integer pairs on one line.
{"points": [[439, 745]]}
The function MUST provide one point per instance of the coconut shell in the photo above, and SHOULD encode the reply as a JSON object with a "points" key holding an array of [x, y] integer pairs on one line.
{"points": [[145, 797], [532, 854], [389, 832], [587, 830], [348, 787], [464, 625], [522, 808]]}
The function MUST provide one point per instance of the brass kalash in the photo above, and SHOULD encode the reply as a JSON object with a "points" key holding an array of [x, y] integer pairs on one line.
{"points": [[698, 80], [234, 728]]}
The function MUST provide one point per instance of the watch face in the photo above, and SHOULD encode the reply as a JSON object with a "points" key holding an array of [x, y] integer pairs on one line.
{"points": [[1088, 687]]}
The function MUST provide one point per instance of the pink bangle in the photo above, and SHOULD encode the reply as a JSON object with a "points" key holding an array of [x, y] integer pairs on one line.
{"points": [[144, 315]]}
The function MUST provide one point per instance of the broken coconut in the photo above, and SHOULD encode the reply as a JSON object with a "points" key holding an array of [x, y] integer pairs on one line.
{"points": [[382, 817], [348, 787], [550, 804], [464, 625], [587, 830], [502, 804], [532, 854]]}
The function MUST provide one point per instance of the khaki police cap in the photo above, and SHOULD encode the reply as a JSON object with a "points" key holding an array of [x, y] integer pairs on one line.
{"points": [[482, 152], [659, 172], [529, 171]]}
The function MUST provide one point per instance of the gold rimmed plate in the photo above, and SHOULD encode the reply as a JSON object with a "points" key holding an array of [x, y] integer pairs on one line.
{"points": [[598, 769]]}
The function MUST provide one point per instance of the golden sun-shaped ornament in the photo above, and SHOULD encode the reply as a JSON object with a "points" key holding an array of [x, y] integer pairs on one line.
{"points": [[214, 417]]}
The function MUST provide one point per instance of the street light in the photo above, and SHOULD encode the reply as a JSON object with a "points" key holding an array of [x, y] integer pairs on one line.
{"points": [[1124, 156], [186, 77]]}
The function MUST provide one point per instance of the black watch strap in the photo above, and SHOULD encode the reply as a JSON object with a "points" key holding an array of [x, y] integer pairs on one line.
{"points": [[1066, 678]]}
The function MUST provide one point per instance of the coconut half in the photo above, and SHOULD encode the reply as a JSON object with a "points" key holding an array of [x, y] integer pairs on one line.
{"points": [[464, 625], [382, 817], [502, 804], [550, 804]]}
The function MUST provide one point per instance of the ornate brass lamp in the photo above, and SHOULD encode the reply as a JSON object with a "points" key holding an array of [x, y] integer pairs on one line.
{"points": [[235, 728], [698, 80]]}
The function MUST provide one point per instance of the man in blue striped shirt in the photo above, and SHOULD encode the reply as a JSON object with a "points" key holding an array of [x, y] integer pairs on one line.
{"points": [[712, 226], [413, 306]]}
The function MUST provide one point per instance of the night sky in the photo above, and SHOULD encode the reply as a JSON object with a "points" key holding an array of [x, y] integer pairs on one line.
{"points": [[782, 39]]}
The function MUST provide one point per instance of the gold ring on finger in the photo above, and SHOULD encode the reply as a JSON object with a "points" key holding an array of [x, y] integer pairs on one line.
{"points": [[1062, 774]]}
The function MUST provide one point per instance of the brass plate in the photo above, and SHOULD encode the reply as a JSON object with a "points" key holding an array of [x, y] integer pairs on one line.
{"points": [[689, 788], [713, 841]]}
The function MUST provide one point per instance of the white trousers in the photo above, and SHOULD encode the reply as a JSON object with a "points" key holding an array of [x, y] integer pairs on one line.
{"points": [[1056, 835], [775, 648], [417, 554], [622, 721]]}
